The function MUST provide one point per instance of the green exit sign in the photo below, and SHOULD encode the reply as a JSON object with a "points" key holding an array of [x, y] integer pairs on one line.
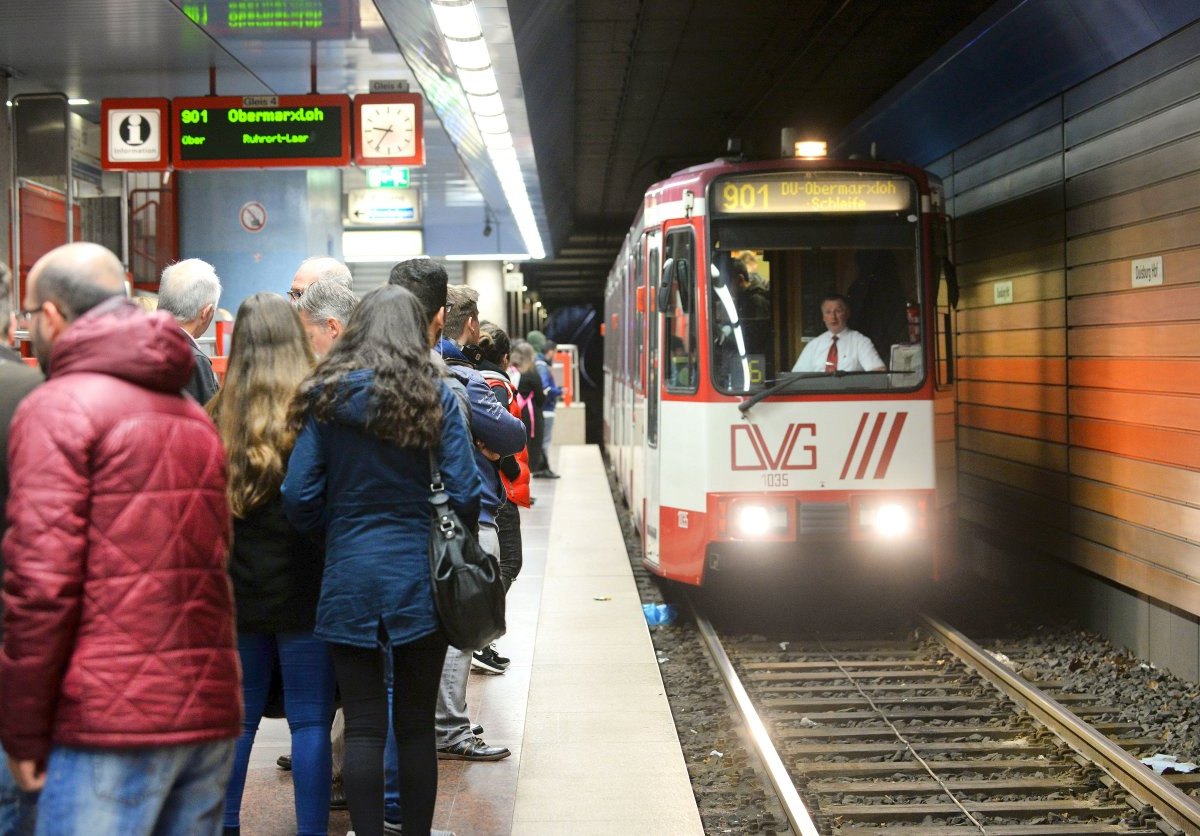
{"points": [[397, 177]]}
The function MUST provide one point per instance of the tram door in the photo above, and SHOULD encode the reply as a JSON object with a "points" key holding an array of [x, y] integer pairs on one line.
{"points": [[650, 522]]}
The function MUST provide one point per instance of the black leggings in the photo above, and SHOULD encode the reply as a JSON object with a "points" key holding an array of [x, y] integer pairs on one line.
{"points": [[417, 671], [508, 521]]}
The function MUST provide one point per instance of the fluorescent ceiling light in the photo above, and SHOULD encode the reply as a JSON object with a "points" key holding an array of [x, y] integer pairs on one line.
{"points": [[461, 30], [487, 257]]}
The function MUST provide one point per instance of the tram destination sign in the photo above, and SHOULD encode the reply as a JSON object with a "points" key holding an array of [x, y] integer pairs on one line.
{"points": [[813, 192], [260, 131]]}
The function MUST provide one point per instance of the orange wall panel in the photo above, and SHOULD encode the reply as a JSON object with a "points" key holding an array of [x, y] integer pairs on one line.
{"points": [[1170, 447], [1043, 370], [1173, 411], [1029, 424], [1014, 396], [1171, 340], [1176, 376], [1154, 304]]}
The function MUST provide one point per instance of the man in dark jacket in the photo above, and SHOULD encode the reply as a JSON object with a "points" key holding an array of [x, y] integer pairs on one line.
{"points": [[16, 381], [119, 693], [189, 291], [496, 434]]}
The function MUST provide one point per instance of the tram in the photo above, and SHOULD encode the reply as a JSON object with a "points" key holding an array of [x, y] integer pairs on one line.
{"points": [[728, 450]]}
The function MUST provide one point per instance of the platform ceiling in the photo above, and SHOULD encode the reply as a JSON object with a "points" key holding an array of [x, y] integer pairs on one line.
{"points": [[605, 96]]}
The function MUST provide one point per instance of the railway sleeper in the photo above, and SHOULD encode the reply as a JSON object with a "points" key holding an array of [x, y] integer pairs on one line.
{"points": [[1054, 829], [866, 750], [974, 786], [1037, 766], [1065, 807]]}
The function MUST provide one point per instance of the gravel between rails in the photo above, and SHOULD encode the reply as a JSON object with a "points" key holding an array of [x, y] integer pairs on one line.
{"points": [[727, 780]]}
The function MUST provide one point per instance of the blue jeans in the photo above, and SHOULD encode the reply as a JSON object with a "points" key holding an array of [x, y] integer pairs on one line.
{"points": [[164, 790], [308, 700], [17, 808]]}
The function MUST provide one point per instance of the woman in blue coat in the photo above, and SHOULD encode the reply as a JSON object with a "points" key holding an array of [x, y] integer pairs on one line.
{"points": [[359, 473]]}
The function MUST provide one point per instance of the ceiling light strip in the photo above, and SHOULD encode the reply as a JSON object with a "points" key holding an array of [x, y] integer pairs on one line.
{"points": [[459, 22]]}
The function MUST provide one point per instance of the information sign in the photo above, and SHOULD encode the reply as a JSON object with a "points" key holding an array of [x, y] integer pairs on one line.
{"points": [[811, 192], [260, 131], [133, 134]]}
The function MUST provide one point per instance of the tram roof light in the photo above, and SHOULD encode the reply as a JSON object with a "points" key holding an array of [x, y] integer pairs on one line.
{"points": [[811, 148]]}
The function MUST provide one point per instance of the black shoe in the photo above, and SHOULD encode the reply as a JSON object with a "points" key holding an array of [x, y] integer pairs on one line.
{"points": [[473, 749], [545, 474], [337, 796], [477, 730], [489, 660], [284, 762]]}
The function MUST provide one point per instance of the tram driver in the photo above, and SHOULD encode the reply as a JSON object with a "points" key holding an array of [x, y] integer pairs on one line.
{"points": [[839, 349]]}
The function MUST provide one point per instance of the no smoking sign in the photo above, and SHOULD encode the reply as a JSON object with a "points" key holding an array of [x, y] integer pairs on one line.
{"points": [[252, 216]]}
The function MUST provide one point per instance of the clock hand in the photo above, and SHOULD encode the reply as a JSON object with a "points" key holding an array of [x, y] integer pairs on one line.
{"points": [[382, 136]]}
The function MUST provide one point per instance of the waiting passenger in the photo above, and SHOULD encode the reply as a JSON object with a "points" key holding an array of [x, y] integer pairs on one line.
{"points": [[17, 808], [359, 473], [325, 309], [319, 268], [276, 570], [119, 677], [544, 360], [189, 291], [839, 349]]}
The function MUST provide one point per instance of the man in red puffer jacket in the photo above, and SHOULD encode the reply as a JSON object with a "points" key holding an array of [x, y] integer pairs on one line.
{"points": [[119, 687]]}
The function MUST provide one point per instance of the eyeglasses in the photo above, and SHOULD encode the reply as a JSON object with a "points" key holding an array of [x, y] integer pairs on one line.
{"points": [[295, 295], [28, 313]]}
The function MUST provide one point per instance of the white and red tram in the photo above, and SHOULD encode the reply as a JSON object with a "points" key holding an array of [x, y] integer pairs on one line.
{"points": [[725, 455]]}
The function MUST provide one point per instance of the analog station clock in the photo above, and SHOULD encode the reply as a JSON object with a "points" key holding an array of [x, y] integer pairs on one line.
{"points": [[388, 129]]}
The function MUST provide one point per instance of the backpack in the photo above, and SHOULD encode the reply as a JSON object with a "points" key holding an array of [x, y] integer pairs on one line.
{"points": [[517, 489]]}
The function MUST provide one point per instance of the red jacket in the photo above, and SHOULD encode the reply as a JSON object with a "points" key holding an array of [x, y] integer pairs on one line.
{"points": [[517, 488], [118, 623]]}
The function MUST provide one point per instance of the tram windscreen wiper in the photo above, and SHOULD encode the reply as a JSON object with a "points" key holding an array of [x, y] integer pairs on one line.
{"points": [[789, 380]]}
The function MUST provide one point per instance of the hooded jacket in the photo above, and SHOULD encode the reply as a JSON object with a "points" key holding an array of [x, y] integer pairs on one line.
{"points": [[490, 423], [370, 498], [119, 626]]}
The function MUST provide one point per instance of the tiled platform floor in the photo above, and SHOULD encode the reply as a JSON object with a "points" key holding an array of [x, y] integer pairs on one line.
{"points": [[582, 706]]}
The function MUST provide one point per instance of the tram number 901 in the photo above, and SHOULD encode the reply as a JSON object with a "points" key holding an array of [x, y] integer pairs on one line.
{"points": [[193, 116], [743, 197]]}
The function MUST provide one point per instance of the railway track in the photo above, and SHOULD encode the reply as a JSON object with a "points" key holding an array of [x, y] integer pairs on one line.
{"points": [[935, 735]]}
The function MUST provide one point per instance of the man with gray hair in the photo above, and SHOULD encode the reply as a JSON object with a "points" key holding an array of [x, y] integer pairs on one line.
{"points": [[324, 310], [189, 291], [319, 268]]}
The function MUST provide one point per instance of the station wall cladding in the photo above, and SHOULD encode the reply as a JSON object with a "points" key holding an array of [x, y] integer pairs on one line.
{"points": [[1079, 389]]}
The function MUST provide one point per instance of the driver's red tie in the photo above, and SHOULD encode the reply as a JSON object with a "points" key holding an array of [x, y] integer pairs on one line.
{"points": [[831, 358]]}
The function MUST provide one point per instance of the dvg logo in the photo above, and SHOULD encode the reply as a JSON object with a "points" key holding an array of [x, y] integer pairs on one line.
{"points": [[874, 443]]}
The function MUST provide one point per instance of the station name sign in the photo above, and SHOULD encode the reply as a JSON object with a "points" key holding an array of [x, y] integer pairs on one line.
{"points": [[260, 131], [812, 192]]}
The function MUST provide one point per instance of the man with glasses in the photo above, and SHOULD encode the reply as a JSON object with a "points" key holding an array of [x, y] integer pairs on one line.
{"points": [[319, 268], [119, 687]]}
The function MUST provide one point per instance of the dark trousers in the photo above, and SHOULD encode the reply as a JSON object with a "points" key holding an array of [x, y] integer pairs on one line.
{"points": [[362, 678], [508, 521]]}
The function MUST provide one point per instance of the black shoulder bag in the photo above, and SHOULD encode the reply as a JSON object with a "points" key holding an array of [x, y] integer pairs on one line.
{"points": [[467, 588]]}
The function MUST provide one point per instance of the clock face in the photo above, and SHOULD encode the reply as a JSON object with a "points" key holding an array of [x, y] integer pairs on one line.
{"points": [[388, 130]]}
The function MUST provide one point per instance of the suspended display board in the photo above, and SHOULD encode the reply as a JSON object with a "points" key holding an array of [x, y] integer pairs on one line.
{"points": [[260, 131]]}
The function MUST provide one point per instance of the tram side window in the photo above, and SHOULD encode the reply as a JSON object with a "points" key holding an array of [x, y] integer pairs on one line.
{"points": [[680, 359]]}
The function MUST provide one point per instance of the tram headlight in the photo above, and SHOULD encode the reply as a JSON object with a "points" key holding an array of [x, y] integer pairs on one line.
{"points": [[752, 520], [892, 520]]}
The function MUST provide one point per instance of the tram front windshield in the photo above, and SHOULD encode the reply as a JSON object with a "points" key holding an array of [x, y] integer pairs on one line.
{"points": [[797, 258]]}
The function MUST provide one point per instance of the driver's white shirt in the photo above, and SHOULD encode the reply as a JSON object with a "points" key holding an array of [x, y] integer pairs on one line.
{"points": [[856, 353]]}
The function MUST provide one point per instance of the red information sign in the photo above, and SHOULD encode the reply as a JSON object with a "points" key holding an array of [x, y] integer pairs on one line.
{"points": [[261, 131], [133, 134]]}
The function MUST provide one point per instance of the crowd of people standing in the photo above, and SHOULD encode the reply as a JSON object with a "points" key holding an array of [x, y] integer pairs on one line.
{"points": [[182, 552]]}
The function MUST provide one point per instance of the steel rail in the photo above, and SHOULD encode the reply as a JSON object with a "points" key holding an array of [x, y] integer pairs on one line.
{"points": [[1142, 783], [793, 807]]}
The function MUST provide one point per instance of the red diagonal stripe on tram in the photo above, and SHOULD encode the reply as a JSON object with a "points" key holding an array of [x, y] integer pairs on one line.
{"points": [[890, 447], [866, 459], [862, 422]]}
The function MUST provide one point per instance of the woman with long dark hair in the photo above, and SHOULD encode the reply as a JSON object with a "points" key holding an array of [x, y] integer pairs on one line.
{"points": [[367, 418], [276, 570]]}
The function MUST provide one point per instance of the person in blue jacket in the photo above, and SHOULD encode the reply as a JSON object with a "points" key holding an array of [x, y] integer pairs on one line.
{"points": [[359, 473]]}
